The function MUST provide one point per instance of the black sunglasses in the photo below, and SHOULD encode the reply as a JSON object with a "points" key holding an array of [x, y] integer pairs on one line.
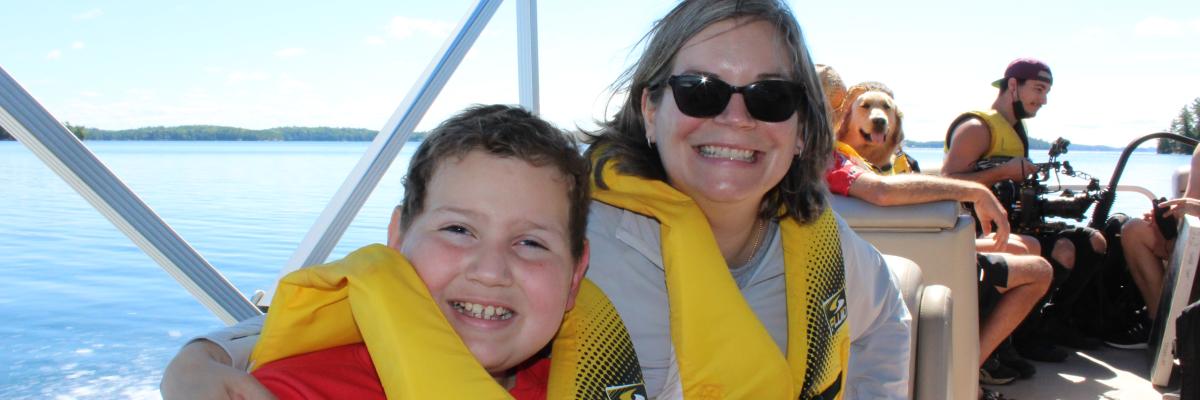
{"points": [[701, 96]]}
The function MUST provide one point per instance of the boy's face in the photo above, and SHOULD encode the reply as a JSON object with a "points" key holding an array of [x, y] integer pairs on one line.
{"points": [[492, 247]]}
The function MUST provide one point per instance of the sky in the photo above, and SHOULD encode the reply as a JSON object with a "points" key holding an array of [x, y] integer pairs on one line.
{"points": [[1122, 69]]}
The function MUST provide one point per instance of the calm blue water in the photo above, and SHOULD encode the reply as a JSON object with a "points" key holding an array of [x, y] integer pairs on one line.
{"points": [[87, 315]]}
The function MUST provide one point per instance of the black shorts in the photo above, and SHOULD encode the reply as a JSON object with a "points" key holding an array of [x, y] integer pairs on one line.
{"points": [[993, 273]]}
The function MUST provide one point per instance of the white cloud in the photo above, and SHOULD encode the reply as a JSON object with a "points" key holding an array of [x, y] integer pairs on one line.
{"points": [[1158, 27], [244, 76], [89, 93], [373, 40], [403, 27], [77, 45], [291, 52], [89, 14], [288, 84], [54, 54]]}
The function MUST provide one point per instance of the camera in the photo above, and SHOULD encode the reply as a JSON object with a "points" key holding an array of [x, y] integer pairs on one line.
{"points": [[1030, 201]]}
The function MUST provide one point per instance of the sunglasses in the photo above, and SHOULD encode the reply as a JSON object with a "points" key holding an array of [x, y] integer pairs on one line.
{"points": [[701, 96]]}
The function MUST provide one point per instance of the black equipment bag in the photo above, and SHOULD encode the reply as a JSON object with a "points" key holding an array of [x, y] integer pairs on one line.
{"points": [[1111, 302]]}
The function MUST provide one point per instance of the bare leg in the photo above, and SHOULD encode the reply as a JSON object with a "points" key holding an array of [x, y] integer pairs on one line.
{"points": [[1145, 250], [1028, 279], [1017, 244], [1029, 242], [1064, 253]]}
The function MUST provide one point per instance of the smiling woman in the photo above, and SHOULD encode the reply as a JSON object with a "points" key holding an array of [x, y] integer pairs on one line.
{"points": [[695, 155]]}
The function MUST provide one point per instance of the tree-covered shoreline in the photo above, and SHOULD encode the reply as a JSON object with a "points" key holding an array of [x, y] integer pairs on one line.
{"points": [[1187, 123], [225, 133], [1034, 144]]}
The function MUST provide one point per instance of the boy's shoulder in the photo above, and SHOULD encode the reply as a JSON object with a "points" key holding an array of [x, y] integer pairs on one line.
{"points": [[343, 371]]}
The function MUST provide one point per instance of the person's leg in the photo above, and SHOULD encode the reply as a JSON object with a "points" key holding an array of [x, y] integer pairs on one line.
{"points": [[1028, 278], [1076, 254], [1145, 249], [1029, 243], [1016, 244]]}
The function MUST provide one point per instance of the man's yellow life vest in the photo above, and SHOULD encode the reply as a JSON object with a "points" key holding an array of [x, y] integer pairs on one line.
{"points": [[1005, 140]]}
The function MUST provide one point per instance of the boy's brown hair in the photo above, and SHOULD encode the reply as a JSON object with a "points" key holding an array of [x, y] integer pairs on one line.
{"points": [[502, 131]]}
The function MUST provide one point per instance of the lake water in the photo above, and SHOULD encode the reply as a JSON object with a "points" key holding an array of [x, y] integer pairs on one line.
{"points": [[87, 315]]}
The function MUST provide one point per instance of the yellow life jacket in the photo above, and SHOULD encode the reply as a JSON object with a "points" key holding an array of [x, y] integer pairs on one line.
{"points": [[903, 164], [723, 350], [900, 164], [1005, 140], [374, 296]]}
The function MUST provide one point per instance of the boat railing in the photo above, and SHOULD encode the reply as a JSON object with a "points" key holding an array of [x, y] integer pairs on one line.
{"points": [[348, 200], [23, 117]]}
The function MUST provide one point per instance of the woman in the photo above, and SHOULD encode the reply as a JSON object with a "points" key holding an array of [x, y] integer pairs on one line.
{"points": [[702, 187], [725, 114]]}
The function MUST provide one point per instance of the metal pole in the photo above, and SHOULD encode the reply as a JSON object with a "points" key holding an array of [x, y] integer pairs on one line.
{"points": [[33, 126], [328, 229], [527, 55]]}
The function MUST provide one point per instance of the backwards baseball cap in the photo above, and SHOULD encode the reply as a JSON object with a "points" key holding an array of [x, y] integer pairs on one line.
{"points": [[1026, 69]]}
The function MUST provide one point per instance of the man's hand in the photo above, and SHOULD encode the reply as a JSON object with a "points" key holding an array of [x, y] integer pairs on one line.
{"points": [[202, 370], [1178, 207], [1017, 168], [989, 211]]}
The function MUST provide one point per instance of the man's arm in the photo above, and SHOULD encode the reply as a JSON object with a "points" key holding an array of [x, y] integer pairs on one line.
{"points": [[905, 189], [968, 144]]}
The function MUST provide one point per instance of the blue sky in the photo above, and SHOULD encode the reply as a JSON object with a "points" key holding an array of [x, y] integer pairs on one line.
{"points": [[1122, 69]]}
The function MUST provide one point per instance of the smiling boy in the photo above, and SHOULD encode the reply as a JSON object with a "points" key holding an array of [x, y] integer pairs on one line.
{"points": [[493, 225]]}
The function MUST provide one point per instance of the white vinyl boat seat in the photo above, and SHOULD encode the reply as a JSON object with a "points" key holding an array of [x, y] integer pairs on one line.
{"points": [[939, 239], [931, 309]]}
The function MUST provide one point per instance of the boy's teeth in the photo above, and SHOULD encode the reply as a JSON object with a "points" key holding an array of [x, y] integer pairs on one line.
{"points": [[727, 153], [480, 311]]}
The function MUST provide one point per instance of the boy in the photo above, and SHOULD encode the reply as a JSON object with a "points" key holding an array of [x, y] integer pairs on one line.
{"points": [[493, 223]]}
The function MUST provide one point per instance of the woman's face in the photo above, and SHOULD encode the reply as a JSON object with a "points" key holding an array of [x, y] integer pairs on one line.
{"points": [[732, 158]]}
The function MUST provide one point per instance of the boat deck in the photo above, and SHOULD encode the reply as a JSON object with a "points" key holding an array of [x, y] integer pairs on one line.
{"points": [[1104, 373]]}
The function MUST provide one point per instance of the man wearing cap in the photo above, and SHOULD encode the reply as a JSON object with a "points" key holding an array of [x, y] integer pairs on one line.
{"points": [[1009, 286], [998, 135]]}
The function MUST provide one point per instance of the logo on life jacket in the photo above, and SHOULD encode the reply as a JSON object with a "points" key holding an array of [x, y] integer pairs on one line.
{"points": [[635, 391], [835, 310]]}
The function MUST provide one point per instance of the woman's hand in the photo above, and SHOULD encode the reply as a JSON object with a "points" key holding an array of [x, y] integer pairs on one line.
{"points": [[1178, 207], [202, 370]]}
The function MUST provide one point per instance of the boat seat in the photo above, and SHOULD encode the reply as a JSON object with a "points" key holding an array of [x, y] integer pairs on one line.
{"points": [[931, 308], [941, 240], [1179, 181]]}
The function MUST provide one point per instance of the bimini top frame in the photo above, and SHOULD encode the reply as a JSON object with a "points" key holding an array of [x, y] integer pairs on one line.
{"points": [[32, 125]]}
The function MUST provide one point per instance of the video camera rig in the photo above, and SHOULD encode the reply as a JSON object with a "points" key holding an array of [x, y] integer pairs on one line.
{"points": [[1030, 201], [1028, 205]]}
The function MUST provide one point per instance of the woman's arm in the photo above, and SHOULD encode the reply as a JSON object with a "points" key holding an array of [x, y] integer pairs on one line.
{"points": [[214, 366], [880, 325]]}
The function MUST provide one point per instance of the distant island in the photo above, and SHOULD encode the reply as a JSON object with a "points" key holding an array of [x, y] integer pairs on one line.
{"points": [[1034, 144], [226, 133], [326, 134]]}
